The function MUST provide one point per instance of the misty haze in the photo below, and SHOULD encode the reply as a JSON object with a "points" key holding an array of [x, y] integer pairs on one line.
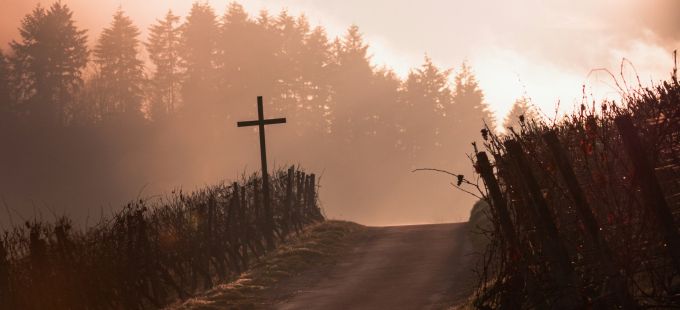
{"points": [[492, 133]]}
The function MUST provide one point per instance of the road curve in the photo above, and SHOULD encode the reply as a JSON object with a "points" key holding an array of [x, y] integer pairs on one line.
{"points": [[402, 267]]}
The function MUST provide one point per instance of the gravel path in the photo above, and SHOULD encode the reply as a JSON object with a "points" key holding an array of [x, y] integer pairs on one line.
{"points": [[403, 267]]}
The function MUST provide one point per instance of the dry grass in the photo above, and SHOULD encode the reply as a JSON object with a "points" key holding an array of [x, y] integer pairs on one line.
{"points": [[318, 245]]}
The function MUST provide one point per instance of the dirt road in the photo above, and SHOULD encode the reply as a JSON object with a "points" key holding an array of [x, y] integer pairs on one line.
{"points": [[404, 267]]}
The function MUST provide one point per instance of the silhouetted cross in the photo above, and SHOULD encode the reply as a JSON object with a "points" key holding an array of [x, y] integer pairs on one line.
{"points": [[261, 122]]}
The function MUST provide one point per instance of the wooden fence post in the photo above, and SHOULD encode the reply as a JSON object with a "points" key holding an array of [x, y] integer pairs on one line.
{"points": [[588, 219], [288, 204], [210, 222], [306, 197], [540, 207], [243, 214], [552, 243], [500, 207], [311, 194], [581, 204], [5, 294], [233, 229], [257, 206], [208, 244], [498, 202], [243, 225], [300, 199], [651, 189], [260, 228]]}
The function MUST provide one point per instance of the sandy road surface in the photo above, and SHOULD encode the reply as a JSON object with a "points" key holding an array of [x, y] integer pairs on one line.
{"points": [[403, 267]]}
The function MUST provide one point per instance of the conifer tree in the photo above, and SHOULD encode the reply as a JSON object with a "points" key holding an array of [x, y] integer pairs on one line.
{"points": [[470, 108], [520, 113], [5, 103], [267, 57], [120, 70], [47, 63], [316, 58], [163, 48], [385, 106], [245, 53], [86, 111], [426, 113], [352, 78], [315, 93], [291, 86], [427, 89], [200, 54], [353, 54], [290, 33], [237, 37]]}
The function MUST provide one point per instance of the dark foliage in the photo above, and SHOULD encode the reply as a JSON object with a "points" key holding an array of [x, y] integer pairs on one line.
{"points": [[152, 251], [47, 65], [120, 73], [601, 243]]}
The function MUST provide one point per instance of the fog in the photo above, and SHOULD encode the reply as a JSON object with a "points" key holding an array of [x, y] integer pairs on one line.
{"points": [[361, 119], [543, 49]]}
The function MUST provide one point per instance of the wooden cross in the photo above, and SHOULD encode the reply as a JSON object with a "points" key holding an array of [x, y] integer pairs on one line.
{"points": [[261, 122]]}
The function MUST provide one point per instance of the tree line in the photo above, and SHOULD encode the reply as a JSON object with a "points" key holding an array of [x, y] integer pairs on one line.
{"points": [[204, 71], [207, 65]]}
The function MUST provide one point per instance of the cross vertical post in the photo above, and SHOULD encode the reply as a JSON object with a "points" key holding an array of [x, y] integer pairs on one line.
{"points": [[269, 223], [261, 122]]}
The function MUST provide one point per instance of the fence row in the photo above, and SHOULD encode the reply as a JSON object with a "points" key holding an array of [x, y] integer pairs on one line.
{"points": [[585, 212], [152, 252]]}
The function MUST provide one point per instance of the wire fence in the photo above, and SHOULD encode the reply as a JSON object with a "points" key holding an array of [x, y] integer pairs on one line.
{"points": [[152, 252], [585, 210]]}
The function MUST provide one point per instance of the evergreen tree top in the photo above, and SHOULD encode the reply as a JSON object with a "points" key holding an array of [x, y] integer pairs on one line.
{"points": [[163, 33], [48, 31], [118, 42], [353, 41], [521, 111], [47, 62], [235, 14]]}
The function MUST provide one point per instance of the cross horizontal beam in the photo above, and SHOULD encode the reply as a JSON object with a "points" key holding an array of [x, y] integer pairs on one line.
{"points": [[264, 122]]}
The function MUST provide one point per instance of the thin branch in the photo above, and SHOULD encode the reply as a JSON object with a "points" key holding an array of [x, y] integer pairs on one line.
{"points": [[466, 191], [446, 172]]}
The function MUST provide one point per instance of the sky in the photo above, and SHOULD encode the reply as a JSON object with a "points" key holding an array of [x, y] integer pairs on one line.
{"points": [[544, 50], [541, 49]]}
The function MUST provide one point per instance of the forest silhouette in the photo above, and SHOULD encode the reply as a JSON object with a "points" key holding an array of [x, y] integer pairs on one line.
{"points": [[85, 126]]}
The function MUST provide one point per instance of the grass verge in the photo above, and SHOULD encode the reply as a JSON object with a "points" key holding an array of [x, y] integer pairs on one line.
{"points": [[320, 244]]}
